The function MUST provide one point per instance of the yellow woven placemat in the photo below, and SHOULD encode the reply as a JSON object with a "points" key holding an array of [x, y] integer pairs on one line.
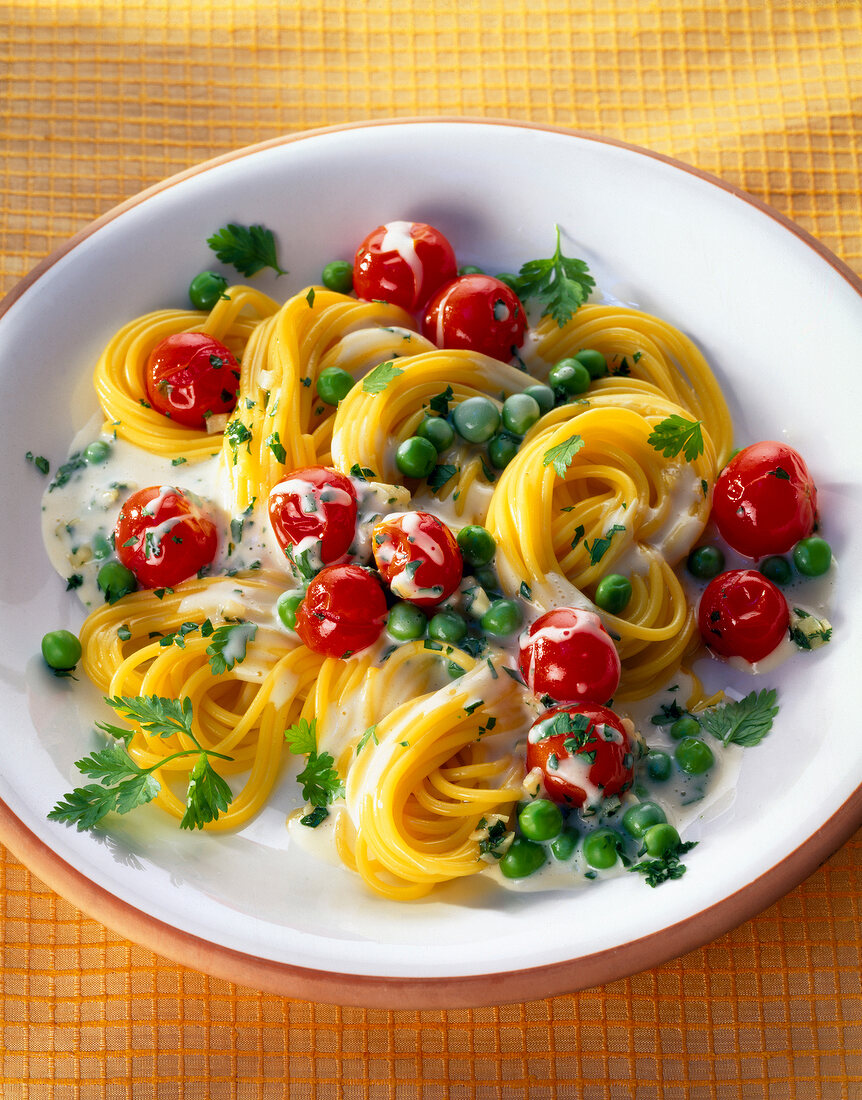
{"points": [[98, 100]]}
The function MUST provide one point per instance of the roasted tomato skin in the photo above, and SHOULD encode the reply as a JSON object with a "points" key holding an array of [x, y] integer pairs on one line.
{"points": [[314, 502], [403, 539], [612, 769], [163, 536], [568, 654], [343, 611], [477, 313], [403, 263], [765, 500], [743, 614], [190, 376]]}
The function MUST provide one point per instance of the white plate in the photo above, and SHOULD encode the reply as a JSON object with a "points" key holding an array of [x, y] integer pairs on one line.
{"points": [[781, 321]]}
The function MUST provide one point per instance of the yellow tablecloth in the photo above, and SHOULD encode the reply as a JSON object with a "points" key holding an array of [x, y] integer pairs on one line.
{"points": [[98, 100]]}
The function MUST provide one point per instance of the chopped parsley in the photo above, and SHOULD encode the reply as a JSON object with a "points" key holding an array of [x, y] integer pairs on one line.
{"points": [[39, 461], [320, 781]]}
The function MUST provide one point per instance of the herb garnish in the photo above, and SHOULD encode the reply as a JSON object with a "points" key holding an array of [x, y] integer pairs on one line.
{"points": [[744, 723], [228, 646], [561, 456], [378, 379], [665, 867], [560, 284], [676, 433], [248, 248], [39, 461], [123, 784], [320, 781]]}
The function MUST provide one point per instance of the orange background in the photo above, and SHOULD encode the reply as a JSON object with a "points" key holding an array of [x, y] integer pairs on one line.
{"points": [[98, 100]]}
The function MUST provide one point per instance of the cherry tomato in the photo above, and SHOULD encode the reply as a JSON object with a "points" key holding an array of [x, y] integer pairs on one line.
{"points": [[765, 500], [403, 263], [476, 312], [581, 766], [743, 614], [163, 536], [418, 557], [191, 376], [568, 654], [343, 611], [314, 503]]}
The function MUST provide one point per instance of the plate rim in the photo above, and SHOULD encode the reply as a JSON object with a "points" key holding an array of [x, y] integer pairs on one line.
{"points": [[449, 991]]}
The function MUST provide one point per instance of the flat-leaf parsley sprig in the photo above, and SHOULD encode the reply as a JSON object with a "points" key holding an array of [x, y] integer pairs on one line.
{"points": [[321, 783], [677, 434], [560, 284], [248, 248], [745, 722], [123, 784]]}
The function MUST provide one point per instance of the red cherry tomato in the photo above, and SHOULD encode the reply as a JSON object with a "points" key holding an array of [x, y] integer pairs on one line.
{"points": [[312, 505], [163, 536], [765, 500], [478, 313], [418, 557], [743, 614], [190, 376], [568, 654], [581, 766], [403, 263], [343, 611]]}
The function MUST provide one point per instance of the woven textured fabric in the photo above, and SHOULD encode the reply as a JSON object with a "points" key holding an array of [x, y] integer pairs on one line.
{"points": [[98, 100]]}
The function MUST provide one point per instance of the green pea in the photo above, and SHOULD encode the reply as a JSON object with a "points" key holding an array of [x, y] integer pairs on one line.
{"points": [[660, 839], [659, 765], [687, 726], [705, 562], [476, 419], [470, 269], [540, 820], [448, 627], [694, 756], [406, 622], [206, 289], [642, 816], [416, 457], [286, 607], [563, 846], [502, 618], [542, 395], [334, 384], [511, 281], [569, 378], [338, 276], [476, 544], [601, 848], [613, 593], [116, 581], [776, 569], [488, 580], [520, 413], [96, 452], [812, 556], [437, 431], [61, 650], [523, 858], [501, 450], [594, 361], [101, 546]]}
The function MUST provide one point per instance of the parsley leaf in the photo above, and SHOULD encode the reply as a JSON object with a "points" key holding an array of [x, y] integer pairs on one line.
{"points": [[301, 737], [378, 379], [560, 457], [39, 461], [248, 248], [236, 433], [362, 473], [561, 285], [676, 433], [440, 402], [744, 723], [601, 546], [124, 785], [321, 783], [440, 475], [665, 867], [277, 447], [228, 645], [369, 735]]}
